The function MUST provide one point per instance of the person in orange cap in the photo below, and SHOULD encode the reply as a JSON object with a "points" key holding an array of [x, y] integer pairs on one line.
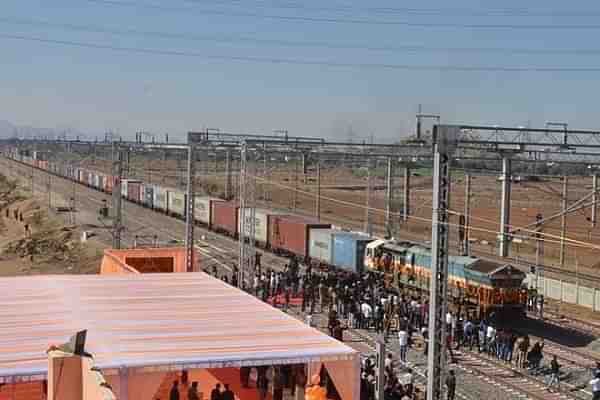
{"points": [[314, 391]]}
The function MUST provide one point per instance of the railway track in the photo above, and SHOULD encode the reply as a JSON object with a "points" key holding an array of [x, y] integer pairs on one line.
{"points": [[221, 251]]}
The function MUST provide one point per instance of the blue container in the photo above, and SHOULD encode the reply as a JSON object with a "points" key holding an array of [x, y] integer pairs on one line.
{"points": [[348, 251], [148, 199]]}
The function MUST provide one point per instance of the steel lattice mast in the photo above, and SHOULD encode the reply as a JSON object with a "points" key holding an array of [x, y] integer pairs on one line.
{"points": [[444, 138], [247, 250]]}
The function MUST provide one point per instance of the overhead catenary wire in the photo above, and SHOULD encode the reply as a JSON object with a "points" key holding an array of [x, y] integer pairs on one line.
{"points": [[490, 12], [572, 242], [340, 20], [292, 43], [302, 62]]}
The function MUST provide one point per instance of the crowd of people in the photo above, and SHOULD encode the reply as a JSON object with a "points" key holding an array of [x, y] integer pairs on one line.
{"points": [[363, 302]]}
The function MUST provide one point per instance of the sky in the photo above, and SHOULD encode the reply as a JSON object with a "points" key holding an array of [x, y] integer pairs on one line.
{"points": [[337, 69]]}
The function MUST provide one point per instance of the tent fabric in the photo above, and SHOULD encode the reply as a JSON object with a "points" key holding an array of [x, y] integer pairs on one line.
{"points": [[150, 323]]}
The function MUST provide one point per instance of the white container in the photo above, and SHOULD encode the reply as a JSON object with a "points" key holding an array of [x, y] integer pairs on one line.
{"points": [[176, 200], [319, 244], [160, 198], [202, 209]]}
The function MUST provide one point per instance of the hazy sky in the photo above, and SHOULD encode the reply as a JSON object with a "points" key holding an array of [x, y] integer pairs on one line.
{"points": [[96, 89]]}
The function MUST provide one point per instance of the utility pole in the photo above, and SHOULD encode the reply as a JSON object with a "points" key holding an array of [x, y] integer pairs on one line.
{"points": [[389, 197], [49, 187], [228, 189], [73, 189], [247, 250], [466, 244], [265, 171], [116, 195], [406, 195], [368, 224], [189, 215], [32, 174], [295, 198], [505, 207], [594, 200], [563, 220], [318, 202], [439, 261], [539, 250]]}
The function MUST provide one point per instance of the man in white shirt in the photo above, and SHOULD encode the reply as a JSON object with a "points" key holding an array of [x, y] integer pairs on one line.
{"points": [[367, 313], [595, 387], [403, 341], [491, 338]]}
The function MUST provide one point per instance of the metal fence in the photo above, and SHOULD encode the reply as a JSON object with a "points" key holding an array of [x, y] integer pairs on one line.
{"points": [[572, 293]]}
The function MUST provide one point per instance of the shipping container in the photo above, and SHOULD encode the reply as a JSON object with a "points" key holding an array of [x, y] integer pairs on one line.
{"points": [[97, 179], [43, 165], [109, 183], [90, 180], [319, 244], [149, 196], [160, 198], [261, 224], [225, 217], [289, 233], [133, 190], [142, 193], [203, 208], [348, 250], [176, 202], [124, 187]]}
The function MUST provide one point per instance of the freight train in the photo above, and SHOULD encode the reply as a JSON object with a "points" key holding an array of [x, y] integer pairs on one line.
{"points": [[478, 283]]}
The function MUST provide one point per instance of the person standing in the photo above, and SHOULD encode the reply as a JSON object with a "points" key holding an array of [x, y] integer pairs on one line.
{"points": [[451, 385], [403, 342], [227, 393], [215, 394], [174, 393], [193, 392], [555, 374], [595, 383], [263, 386]]}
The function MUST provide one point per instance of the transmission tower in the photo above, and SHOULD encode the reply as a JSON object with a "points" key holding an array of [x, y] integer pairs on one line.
{"points": [[247, 249]]}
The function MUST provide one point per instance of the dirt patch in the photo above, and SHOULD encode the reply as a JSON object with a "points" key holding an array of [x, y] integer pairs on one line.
{"points": [[34, 241]]}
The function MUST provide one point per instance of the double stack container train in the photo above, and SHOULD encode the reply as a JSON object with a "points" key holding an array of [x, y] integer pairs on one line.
{"points": [[487, 284]]}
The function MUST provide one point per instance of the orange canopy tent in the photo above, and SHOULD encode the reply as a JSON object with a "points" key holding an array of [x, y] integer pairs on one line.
{"points": [[142, 325]]}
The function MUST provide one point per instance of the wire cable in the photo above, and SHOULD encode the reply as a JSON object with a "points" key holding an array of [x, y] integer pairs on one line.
{"points": [[301, 62], [293, 43], [352, 21]]}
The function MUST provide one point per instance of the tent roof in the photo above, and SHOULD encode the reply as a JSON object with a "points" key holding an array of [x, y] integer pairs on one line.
{"points": [[149, 321]]}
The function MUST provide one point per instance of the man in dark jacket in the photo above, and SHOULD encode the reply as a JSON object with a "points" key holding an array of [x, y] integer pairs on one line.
{"points": [[174, 393], [227, 393], [215, 394]]}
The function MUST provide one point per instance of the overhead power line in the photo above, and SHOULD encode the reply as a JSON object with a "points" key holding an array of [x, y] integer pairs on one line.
{"points": [[302, 62], [352, 21], [454, 12], [291, 43]]}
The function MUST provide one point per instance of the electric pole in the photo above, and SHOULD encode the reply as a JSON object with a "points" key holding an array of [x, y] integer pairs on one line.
{"points": [[295, 201], [368, 224], [228, 191], [406, 195], [49, 187], [594, 200], [466, 244], [563, 220], [116, 195], [505, 207], [318, 202], [189, 215], [247, 250], [389, 197], [444, 140]]}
